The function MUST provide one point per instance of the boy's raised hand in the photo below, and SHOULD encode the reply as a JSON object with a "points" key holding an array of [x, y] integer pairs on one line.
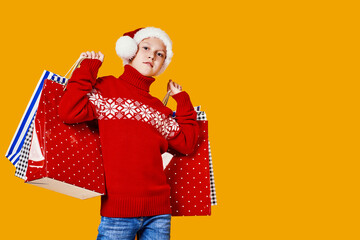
{"points": [[174, 87], [93, 55]]}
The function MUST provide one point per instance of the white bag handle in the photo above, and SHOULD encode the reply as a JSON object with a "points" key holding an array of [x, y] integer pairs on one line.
{"points": [[166, 98], [72, 69]]}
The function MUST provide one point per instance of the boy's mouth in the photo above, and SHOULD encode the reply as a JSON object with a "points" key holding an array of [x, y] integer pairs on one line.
{"points": [[149, 63]]}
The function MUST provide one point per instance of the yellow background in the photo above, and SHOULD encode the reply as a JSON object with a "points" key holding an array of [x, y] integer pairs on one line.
{"points": [[279, 83]]}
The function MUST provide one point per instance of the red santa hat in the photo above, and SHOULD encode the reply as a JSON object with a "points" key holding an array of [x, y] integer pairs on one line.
{"points": [[127, 45]]}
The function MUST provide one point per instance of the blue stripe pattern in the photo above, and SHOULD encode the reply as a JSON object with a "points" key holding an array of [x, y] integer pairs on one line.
{"points": [[20, 134]]}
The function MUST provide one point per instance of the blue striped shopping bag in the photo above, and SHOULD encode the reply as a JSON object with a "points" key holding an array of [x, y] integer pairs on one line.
{"points": [[18, 151]]}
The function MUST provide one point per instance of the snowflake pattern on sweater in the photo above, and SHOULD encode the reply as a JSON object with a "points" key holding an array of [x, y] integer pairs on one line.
{"points": [[123, 108]]}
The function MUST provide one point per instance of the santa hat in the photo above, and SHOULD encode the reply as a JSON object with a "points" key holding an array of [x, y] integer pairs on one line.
{"points": [[127, 45]]}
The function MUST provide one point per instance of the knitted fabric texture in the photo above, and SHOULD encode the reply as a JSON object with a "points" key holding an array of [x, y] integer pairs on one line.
{"points": [[135, 129]]}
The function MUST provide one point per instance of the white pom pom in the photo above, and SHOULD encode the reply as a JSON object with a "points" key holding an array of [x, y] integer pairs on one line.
{"points": [[126, 47]]}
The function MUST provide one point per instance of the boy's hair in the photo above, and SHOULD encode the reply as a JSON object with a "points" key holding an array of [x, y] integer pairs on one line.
{"points": [[127, 45]]}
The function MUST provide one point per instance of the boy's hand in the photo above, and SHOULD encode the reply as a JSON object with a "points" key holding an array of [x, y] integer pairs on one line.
{"points": [[93, 55], [174, 87]]}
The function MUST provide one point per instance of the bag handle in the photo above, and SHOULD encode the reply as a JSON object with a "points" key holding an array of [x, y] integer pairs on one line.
{"points": [[166, 98], [72, 69]]}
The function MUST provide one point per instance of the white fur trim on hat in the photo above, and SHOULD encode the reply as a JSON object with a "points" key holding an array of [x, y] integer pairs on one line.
{"points": [[126, 47]]}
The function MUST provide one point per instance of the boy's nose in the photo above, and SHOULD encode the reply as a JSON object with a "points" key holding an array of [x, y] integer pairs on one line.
{"points": [[152, 55]]}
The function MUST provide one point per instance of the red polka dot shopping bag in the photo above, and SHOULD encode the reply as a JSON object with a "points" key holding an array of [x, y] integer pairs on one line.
{"points": [[191, 176], [48, 153]]}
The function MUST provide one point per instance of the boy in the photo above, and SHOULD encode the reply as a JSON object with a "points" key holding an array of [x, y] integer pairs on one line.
{"points": [[135, 129]]}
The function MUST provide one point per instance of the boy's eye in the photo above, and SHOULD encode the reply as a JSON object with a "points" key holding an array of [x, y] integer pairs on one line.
{"points": [[146, 48], [160, 55]]}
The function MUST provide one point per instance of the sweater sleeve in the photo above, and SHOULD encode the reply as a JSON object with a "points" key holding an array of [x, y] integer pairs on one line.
{"points": [[185, 140], [75, 106]]}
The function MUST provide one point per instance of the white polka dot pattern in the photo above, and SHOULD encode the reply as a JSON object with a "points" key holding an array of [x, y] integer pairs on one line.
{"points": [[123, 108], [72, 152], [189, 179]]}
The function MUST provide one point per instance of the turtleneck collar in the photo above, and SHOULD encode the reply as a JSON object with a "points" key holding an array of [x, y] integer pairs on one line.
{"points": [[135, 78]]}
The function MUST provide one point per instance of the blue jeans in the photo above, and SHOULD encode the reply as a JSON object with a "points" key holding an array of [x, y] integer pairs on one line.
{"points": [[145, 228]]}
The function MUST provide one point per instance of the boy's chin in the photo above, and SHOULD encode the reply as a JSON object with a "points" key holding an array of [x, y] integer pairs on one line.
{"points": [[147, 72]]}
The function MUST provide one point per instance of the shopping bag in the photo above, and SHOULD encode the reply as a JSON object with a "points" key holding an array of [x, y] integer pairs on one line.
{"points": [[191, 176], [201, 116], [64, 158], [18, 150], [212, 180], [22, 164], [48, 166]]}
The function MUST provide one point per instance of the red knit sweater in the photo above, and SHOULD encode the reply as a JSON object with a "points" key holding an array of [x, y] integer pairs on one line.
{"points": [[135, 129]]}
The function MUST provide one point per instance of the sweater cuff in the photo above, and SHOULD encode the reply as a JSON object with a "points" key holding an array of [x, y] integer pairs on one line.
{"points": [[91, 64], [183, 102], [88, 69]]}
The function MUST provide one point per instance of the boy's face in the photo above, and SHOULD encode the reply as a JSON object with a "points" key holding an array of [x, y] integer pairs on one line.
{"points": [[150, 56]]}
